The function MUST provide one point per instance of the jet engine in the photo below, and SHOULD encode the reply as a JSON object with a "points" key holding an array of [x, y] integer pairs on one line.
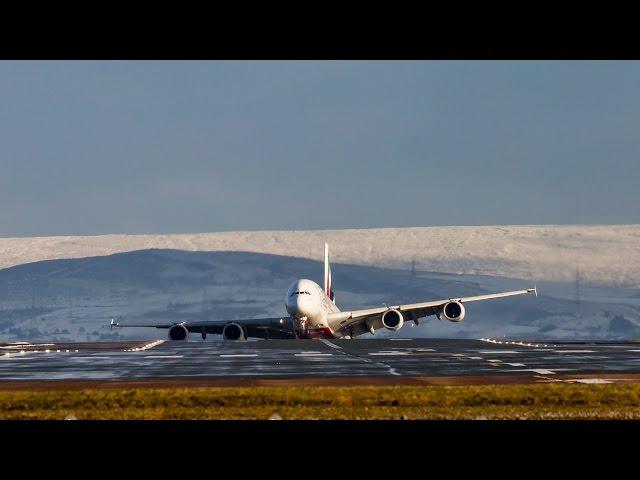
{"points": [[392, 320], [178, 332], [233, 331], [453, 311]]}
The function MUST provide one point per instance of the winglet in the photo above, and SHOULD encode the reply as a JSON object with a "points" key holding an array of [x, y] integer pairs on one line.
{"points": [[113, 323], [533, 290]]}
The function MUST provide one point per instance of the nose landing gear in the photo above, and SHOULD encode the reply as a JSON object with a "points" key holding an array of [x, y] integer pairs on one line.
{"points": [[301, 327]]}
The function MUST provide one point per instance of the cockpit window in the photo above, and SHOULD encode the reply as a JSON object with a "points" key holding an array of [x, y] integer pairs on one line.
{"points": [[299, 293]]}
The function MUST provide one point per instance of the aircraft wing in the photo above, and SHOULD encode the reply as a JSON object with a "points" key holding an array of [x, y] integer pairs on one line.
{"points": [[361, 321], [279, 327]]}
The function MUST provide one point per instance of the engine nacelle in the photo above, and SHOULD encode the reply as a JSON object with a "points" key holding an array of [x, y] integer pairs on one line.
{"points": [[233, 331], [453, 311], [178, 332], [392, 320]]}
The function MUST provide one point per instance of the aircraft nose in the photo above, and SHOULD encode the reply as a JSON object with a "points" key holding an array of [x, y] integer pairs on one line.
{"points": [[305, 305], [302, 303]]}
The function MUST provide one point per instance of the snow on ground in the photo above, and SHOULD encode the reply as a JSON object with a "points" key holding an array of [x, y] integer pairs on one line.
{"points": [[74, 299], [604, 254]]}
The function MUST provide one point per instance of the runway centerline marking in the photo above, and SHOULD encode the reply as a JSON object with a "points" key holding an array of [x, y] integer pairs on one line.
{"points": [[164, 356], [589, 380], [391, 370], [574, 351], [542, 371], [239, 355], [330, 344], [388, 353], [495, 352]]}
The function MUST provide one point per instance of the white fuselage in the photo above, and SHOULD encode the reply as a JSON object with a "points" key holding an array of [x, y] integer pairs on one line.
{"points": [[309, 307]]}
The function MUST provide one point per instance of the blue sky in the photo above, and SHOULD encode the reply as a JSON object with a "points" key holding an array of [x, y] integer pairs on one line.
{"points": [[166, 147]]}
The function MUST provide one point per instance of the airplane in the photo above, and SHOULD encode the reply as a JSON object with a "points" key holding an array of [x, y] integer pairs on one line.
{"points": [[313, 313]]}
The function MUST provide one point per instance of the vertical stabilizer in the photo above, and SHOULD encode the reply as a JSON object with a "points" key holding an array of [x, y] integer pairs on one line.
{"points": [[328, 287]]}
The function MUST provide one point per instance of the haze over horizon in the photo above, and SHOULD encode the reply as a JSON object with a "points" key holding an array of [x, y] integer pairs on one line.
{"points": [[312, 230], [93, 148]]}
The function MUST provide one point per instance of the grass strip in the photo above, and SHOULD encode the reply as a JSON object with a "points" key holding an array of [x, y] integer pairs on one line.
{"points": [[539, 401]]}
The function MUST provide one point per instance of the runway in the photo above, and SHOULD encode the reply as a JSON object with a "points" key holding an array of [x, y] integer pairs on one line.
{"points": [[383, 361]]}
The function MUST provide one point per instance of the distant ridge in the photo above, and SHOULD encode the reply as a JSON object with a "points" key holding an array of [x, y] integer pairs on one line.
{"points": [[604, 254], [76, 299]]}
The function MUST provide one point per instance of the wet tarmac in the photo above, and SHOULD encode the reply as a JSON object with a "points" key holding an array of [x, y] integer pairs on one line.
{"points": [[315, 359]]}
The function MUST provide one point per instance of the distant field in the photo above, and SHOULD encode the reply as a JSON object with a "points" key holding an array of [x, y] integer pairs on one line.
{"points": [[543, 401]]}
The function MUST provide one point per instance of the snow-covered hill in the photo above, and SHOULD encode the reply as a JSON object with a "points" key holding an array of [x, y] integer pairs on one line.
{"points": [[74, 299], [603, 254]]}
